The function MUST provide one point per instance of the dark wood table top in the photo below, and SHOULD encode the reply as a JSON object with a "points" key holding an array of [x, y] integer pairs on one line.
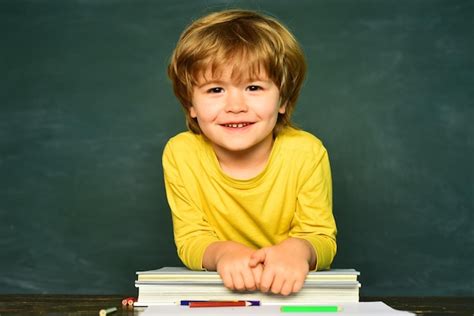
{"points": [[82, 305]]}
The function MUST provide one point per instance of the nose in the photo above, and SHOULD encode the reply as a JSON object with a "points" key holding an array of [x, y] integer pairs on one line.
{"points": [[235, 101]]}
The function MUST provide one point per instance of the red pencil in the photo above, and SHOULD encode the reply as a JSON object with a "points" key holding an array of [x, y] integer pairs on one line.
{"points": [[220, 304], [129, 301]]}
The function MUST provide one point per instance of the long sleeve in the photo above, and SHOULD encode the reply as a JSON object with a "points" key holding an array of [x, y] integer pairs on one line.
{"points": [[314, 220], [192, 232]]}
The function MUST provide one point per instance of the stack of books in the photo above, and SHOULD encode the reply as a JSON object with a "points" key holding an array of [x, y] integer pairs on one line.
{"points": [[170, 285]]}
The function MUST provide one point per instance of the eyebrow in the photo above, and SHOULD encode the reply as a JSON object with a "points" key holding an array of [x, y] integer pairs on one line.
{"points": [[205, 83], [221, 82]]}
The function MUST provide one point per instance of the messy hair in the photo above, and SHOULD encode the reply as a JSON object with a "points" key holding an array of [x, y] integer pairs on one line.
{"points": [[247, 40]]}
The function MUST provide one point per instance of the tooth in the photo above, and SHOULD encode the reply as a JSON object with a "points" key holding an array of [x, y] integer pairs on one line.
{"points": [[236, 125]]}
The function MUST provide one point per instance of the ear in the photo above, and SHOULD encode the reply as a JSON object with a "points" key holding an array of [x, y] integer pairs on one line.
{"points": [[282, 108], [192, 112]]}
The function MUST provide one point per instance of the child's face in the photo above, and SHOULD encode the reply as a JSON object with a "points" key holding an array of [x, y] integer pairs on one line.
{"points": [[236, 116]]}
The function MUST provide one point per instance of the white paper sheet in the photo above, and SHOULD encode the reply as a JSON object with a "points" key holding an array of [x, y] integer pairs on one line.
{"points": [[355, 309]]}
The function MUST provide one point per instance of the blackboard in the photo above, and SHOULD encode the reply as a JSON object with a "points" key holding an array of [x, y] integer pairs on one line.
{"points": [[86, 109]]}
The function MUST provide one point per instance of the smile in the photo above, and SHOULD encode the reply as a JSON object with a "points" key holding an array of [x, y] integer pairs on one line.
{"points": [[236, 125]]}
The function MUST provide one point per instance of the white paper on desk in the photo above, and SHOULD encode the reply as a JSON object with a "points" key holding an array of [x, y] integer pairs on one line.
{"points": [[355, 309]]}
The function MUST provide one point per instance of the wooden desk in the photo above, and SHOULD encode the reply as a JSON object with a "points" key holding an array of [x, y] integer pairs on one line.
{"points": [[78, 305]]}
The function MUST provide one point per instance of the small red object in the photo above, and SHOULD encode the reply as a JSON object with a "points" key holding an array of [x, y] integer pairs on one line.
{"points": [[128, 301]]}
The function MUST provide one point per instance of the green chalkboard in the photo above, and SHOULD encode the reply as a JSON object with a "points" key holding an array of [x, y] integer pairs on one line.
{"points": [[86, 109]]}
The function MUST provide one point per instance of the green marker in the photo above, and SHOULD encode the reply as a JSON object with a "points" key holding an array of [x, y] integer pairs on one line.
{"points": [[309, 309]]}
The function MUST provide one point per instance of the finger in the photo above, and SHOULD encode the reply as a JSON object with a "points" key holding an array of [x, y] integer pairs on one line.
{"points": [[227, 279], [238, 281], [287, 288], [249, 281], [257, 275], [257, 257], [277, 284], [266, 280], [297, 286]]}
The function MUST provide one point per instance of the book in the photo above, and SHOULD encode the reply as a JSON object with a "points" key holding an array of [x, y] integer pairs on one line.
{"points": [[181, 274], [170, 285]]}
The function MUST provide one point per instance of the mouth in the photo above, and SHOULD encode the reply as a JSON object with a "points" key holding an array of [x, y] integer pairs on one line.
{"points": [[237, 125]]}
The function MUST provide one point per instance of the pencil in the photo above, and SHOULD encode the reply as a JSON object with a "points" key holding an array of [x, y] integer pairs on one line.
{"points": [[104, 312], [223, 303]]}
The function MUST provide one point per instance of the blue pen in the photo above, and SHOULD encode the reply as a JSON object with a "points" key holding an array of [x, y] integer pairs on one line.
{"points": [[186, 302]]}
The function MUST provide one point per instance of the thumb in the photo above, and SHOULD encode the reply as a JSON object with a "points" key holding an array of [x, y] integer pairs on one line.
{"points": [[257, 257]]}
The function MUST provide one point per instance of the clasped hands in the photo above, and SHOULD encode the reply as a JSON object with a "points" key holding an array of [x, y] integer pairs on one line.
{"points": [[279, 269]]}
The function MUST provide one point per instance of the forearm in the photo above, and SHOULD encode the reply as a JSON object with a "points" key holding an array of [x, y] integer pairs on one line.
{"points": [[216, 250], [191, 250], [192, 232], [312, 254], [302, 248], [324, 248]]}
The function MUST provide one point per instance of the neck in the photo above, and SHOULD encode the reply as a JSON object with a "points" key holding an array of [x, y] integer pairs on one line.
{"points": [[245, 164]]}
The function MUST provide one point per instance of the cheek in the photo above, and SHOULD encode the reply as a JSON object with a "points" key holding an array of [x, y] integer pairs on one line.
{"points": [[273, 108], [205, 112]]}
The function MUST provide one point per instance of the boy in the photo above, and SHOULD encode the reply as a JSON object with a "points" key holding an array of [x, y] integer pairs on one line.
{"points": [[250, 195]]}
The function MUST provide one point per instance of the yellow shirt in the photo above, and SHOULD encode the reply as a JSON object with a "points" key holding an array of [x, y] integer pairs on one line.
{"points": [[291, 197]]}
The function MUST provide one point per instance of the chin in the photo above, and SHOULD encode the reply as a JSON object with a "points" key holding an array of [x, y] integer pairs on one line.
{"points": [[235, 147]]}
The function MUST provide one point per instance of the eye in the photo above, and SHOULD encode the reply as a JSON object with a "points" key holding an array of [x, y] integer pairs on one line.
{"points": [[215, 90], [254, 88]]}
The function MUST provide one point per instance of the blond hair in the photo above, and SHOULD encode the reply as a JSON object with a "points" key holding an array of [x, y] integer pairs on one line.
{"points": [[249, 41]]}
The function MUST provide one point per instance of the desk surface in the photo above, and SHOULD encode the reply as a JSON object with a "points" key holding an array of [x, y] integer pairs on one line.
{"points": [[83, 305]]}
